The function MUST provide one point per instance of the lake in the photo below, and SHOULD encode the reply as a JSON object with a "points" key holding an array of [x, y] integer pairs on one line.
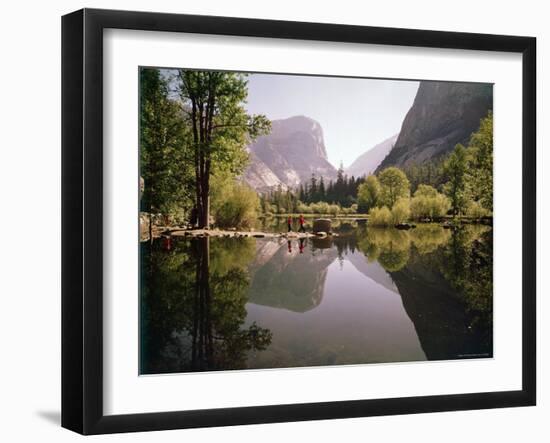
{"points": [[369, 295]]}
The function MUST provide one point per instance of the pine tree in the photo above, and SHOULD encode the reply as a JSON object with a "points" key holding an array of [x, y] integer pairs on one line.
{"points": [[313, 192], [322, 193]]}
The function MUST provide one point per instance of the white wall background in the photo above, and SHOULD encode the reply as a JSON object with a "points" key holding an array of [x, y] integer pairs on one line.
{"points": [[30, 218]]}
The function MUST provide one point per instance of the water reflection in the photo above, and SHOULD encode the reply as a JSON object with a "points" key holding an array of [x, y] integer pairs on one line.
{"points": [[193, 298], [368, 295]]}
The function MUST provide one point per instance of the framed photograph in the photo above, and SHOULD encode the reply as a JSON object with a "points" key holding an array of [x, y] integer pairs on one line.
{"points": [[269, 221]]}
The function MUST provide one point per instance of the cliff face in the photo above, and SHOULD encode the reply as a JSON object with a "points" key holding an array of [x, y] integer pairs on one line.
{"points": [[367, 163], [442, 115], [260, 177], [293, 151]]}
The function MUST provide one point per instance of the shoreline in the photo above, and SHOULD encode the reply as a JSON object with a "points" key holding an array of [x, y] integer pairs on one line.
{"points": [[185, 232], [198, 233]]}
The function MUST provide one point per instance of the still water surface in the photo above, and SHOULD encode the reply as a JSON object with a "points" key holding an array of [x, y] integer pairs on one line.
{"points": [[367, 296]]}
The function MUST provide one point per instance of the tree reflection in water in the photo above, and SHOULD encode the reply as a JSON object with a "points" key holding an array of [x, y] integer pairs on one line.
{"points": [[201, 298], [446, 283], [193, 300]]}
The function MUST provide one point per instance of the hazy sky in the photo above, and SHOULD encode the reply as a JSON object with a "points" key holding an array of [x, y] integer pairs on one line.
{"points": [[355, 114]]}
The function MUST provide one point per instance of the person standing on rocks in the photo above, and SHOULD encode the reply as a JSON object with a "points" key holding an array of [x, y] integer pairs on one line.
{"points": [[289, 222], [302, 221]]}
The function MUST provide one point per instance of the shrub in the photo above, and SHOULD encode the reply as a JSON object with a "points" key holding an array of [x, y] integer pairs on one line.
{"points": [[302, 208], [351, 210], [420, 207], [475, 210], [425, 191], [320, 208], [334, 209], [440, 205], [401, 211], [380, 216], [425, 205], [234, 204]]}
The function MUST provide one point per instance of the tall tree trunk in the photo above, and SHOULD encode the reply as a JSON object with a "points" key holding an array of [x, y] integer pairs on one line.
{"points": [[202, 343]]}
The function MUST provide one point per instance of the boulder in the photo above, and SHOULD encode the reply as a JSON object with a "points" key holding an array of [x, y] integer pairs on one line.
{"points": [[322, 242], [403, 226], [322, 225]]}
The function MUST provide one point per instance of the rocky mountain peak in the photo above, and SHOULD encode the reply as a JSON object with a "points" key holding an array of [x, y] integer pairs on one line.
{"points": [[442, 115], [292, 152]]}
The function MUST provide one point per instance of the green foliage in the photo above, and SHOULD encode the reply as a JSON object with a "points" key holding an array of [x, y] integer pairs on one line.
{"points": [[289, 205], [302, 208], [480, 174], [425, 191], [163, 165], [428, 203], [380, 216], [280, 201], [234, 204], [351, 210], [342, 191], [469, 172], [213, 102], [475, 210], [394, 185], [455, 170], [368, 193], [319, 208], [429, 173], [401, 211]]}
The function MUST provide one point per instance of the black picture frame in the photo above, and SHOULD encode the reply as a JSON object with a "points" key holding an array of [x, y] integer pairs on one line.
{"points": [[82, 220]]}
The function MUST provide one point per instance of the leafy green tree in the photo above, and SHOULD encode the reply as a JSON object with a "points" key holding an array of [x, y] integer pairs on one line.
{"points": [[163, 165], [394, 185], [220, 126], [368, 194], [481, 164], [456, 168]]}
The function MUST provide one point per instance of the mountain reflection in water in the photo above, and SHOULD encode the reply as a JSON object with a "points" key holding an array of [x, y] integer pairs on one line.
{"points": [[367, 296]]}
